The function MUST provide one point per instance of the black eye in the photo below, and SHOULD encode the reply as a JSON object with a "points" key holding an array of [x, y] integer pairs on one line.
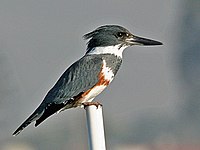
{"points": [[120, 34]]}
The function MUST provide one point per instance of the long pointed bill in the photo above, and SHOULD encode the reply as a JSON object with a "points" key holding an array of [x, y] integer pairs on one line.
{"points": [[135, 40]]}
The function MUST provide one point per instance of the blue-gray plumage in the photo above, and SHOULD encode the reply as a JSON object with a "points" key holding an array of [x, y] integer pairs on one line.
{"points": [[90, 75]]}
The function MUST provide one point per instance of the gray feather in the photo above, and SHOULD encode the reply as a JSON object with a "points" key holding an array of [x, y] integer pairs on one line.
{"points": [[79, 77]]}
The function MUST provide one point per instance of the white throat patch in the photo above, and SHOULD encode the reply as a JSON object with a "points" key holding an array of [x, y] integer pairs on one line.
{"points": [[117, 50]]}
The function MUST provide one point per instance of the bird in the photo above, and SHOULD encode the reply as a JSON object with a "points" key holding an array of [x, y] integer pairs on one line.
{"points": [[90, 75]]}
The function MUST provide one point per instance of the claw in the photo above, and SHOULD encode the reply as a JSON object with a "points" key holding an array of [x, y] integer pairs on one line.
{"points": [[97, 104]]}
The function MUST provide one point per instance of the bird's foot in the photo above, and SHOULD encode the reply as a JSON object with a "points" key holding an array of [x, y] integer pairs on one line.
{"points": [[86, 104]]}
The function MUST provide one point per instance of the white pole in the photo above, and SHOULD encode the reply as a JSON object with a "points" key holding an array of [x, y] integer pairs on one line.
{"points": [[95, 127]]}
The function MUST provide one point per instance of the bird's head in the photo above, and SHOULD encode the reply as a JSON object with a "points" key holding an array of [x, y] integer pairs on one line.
{"points": [[111, 35]]}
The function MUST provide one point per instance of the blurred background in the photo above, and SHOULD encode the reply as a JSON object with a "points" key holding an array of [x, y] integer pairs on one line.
{"points": [[153, 103]]}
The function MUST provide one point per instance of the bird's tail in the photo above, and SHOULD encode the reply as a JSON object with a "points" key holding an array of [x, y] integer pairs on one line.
{"points": [[36, 114]]}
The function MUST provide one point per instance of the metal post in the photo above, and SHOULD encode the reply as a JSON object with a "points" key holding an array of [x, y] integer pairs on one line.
{"points": [[95, 127]]}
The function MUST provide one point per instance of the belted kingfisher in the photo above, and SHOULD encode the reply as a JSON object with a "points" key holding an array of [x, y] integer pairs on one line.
{"points": [[90, 75]]}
